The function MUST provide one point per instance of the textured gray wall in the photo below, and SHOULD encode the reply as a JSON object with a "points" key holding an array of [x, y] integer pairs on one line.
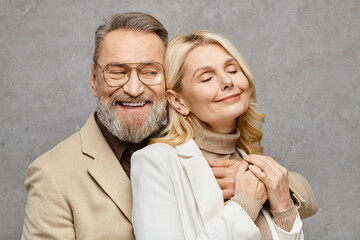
{"points": [[305, 56]]}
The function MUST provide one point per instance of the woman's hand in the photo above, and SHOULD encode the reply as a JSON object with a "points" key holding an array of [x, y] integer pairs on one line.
{"points": [[245, 180], [275, 178]]}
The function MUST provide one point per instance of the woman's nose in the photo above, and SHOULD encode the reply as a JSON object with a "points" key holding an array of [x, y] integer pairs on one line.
{"points": [[225, 81]]}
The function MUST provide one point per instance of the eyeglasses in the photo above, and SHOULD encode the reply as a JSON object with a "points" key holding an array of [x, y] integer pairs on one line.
{"points": [[118, 74]]}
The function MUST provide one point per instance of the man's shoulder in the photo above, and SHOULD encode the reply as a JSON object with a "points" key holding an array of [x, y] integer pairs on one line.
{"points": [[62, 155], [70, 152]]}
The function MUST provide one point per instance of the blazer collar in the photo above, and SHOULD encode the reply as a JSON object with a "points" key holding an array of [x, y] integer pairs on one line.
{"points": [[208, 195], [105, 168]]}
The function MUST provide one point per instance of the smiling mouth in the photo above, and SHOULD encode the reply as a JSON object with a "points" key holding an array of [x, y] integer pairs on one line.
{"points": [[132, 104], [229, 98]]}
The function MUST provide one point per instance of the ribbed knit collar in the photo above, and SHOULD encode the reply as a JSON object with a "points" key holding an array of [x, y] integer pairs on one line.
{"points": [[219, 143]]}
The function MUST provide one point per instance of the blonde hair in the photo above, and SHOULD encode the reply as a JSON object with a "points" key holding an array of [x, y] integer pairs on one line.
{"points": [[179, 130]]}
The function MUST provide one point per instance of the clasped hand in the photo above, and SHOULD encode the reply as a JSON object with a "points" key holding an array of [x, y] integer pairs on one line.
{"points": [[259, 175]]}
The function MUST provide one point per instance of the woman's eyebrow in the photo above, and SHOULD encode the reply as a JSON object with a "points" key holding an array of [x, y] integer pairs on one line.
{"points": [[230, 60], [200, 69]]}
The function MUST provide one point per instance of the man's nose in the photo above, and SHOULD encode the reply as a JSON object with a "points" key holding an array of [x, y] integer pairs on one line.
{"points": [[134, 87]]}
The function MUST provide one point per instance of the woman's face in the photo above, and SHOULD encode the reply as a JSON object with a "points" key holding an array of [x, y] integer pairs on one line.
{"points": [[215, 90]]}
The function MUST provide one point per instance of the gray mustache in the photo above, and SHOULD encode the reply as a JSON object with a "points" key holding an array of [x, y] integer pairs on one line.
{"points": [[127, 98]]}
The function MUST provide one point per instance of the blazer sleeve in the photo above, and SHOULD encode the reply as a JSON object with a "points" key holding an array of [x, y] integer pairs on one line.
{"points": [[156, 213], [47, 215], [296, 233], [302, 195]]}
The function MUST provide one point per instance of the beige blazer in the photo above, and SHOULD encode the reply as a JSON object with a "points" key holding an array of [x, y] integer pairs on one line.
{"points": [[78, 190], [176, 196]]}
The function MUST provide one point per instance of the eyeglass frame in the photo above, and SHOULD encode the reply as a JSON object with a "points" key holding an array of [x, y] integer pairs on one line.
{"points": [[137, 72]]}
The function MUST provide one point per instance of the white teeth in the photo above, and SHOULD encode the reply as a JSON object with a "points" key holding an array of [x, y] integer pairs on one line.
{"points": [[133, 104]]}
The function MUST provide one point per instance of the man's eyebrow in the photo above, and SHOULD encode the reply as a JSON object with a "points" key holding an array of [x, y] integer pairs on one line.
{"points": [[129, 63]]}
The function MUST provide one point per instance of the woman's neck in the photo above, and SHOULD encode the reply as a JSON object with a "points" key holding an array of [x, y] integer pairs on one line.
{"points": [[223, 127], [217, 145]]}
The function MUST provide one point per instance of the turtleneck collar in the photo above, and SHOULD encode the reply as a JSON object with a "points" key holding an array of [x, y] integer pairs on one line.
{"points": [[218, 143]]}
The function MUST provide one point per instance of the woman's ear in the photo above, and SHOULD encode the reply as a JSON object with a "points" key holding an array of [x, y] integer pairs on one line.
{"points": [[177, 102]]}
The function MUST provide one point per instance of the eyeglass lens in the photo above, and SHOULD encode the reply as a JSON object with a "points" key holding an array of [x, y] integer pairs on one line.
{"points": [[119, 74]]}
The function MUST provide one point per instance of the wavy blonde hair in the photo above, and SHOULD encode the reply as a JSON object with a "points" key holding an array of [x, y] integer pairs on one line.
{"points": [[179, 130]]}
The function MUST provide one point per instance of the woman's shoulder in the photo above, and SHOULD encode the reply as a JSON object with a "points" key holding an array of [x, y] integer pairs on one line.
{"points": [[154, 152], [157, 157], [157, 148]]}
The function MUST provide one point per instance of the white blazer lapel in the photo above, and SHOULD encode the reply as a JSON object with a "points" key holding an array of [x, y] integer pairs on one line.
{"points": [[208, 195], [241, 152]]}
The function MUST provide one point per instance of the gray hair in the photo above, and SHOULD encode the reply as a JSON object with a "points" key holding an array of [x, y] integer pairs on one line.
{"points": [[132, 21]]}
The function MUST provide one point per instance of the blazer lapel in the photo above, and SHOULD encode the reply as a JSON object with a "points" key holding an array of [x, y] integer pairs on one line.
{"points": [[207, 193], [108, 173], [105, 168], [241, 152]]}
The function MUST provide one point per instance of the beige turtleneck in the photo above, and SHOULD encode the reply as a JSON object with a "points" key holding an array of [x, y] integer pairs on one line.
{"points": [[223, 146]]}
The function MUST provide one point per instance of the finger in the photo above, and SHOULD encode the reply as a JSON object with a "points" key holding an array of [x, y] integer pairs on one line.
{"points": [[274, 165], [269, 179], [227, 194], [258, 173], [219, 172], [222, 163], [262, 162], [277, 169], [279, 166], [275, 182], [243, 167], [225, 183]]}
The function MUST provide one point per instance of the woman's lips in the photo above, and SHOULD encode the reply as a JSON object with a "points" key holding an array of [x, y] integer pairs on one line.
{"points": [[230, 98]]}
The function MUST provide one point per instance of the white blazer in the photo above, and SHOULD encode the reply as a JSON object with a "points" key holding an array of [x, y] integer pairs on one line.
{"points": [[176, 196]]}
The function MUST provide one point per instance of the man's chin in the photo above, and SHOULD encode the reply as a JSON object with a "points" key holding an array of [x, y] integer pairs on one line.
{"points": [[132, 118], [134, 127], [132, 122]]}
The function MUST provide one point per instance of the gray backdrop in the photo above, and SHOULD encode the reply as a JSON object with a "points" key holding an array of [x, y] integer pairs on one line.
{"points": [[305, 56]]}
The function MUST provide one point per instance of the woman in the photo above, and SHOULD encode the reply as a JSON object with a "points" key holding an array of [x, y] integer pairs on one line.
{"points": [[211, 90]]}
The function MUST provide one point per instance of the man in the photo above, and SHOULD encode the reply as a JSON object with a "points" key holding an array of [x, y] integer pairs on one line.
{"points": [[81, 188]]}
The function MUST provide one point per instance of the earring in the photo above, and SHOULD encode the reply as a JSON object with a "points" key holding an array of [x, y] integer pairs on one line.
{"points": [[185, 117]]}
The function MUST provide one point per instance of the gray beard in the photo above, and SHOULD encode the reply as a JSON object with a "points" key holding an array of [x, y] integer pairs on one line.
{"points": [[132, 128]]}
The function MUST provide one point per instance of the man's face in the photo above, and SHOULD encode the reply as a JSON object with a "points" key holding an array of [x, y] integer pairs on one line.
{"points": [[133, 111]]}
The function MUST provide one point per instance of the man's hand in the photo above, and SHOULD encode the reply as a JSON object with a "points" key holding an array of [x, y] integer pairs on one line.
{"points": [[224, 171]]}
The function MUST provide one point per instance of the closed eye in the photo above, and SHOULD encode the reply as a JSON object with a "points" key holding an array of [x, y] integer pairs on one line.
{"points": [[233, 72], [206, 80]]}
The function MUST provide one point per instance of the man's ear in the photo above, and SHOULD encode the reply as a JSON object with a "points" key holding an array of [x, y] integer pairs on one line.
{"points": [[177, 102], [94, 84]]}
